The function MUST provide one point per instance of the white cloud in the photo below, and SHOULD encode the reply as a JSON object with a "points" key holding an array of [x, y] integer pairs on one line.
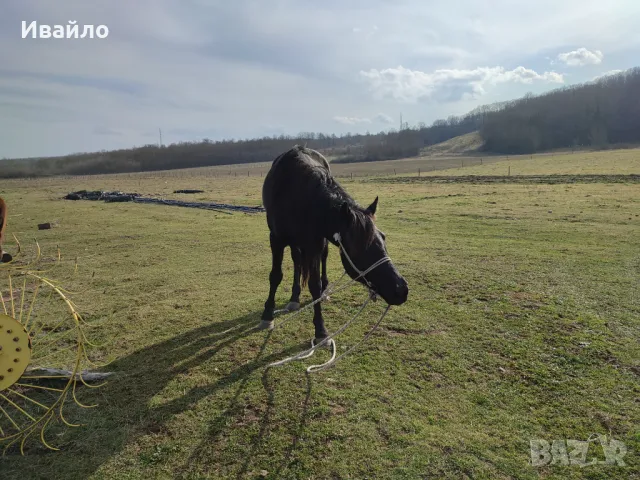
{"points": [[581, 57], [367, 32], [351, 120], [447, 85], [607, 74], [379, 118], [384, 118]]}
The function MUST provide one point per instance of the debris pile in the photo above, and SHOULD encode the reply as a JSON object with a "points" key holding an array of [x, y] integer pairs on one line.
{"points": [[137, 198]]}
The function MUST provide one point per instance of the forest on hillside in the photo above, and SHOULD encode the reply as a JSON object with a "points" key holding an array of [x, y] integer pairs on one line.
{"points": [[595, 114], [592, 115]]}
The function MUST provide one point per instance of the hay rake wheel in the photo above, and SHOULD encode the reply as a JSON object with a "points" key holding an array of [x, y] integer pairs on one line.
{"points": [[43, 347]]}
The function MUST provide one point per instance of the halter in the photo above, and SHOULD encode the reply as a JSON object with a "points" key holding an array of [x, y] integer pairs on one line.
{"points": [[329, 290], [338, 238]]}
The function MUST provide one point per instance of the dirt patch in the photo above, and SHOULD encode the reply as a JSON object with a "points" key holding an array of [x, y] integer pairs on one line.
{"points": [[399, 331]]}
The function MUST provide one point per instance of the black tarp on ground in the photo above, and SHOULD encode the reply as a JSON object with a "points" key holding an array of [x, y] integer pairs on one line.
{"points": [[137, 198]]}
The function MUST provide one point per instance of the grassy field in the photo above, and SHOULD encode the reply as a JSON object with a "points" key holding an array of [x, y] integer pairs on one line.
{"points": [[622, 162], [522, 323]]}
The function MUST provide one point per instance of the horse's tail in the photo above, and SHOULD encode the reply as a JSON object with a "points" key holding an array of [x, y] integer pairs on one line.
{"points": [[309, 264]]}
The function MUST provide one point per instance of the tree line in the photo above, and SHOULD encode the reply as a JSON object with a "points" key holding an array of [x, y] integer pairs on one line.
{"points": [[348, 147], [594, 114]]}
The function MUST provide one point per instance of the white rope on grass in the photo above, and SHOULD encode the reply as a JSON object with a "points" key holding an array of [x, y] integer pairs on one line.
{"points": [[330, 339], [333, 359]]}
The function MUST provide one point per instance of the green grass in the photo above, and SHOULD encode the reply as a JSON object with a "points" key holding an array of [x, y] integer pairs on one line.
{"points": [[522, 323], [622, 162]]}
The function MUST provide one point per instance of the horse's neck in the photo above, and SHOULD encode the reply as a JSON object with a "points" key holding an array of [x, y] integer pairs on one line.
{"points": [[332, 214]]}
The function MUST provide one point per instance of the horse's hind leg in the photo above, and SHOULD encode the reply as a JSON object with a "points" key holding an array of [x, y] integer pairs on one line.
{"points": [[275, 277], [294, 302]]}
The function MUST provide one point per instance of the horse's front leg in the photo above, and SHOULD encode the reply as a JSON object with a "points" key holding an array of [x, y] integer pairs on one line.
{"points": [[324, 279], [275, 277], [315, 288]]}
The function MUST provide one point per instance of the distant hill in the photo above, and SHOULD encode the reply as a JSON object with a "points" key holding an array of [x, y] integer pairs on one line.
{"points": [[596, 114], [462, 145]]}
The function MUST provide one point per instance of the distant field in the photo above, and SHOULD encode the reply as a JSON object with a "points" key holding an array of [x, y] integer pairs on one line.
{"points": [[522, 323], [601, 162], [620, 161], [460, 145]]}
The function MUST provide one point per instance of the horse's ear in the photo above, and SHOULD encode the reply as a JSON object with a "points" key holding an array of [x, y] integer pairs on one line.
{"points": [[371, 209]]}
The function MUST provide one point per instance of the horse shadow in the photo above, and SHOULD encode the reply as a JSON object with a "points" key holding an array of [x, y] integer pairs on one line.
{"points": [[124, 413]]}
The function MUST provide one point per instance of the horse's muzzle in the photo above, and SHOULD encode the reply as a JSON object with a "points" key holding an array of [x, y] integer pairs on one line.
{"points": [[399, 294]]}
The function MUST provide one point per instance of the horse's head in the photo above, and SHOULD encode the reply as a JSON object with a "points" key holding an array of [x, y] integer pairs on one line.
{"points": [[365, 245]]}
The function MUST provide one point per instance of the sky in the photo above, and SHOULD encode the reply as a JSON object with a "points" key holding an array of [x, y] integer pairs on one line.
{"points": [[248, 68]]}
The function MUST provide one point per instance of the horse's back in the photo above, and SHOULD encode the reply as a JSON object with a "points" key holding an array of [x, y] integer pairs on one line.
{"points": [[287, 192], [303, 155], [295, 166]]}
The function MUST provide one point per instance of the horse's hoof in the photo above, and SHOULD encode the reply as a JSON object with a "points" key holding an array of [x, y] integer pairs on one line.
{"points": [[265, 325], [327, 345], [292, 306]]}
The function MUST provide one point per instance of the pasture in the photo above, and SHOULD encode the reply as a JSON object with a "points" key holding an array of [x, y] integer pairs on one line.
{"points": [[523, 323]]}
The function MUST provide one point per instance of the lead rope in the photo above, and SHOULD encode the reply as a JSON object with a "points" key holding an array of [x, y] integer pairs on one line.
{"points": [[329, 340]]}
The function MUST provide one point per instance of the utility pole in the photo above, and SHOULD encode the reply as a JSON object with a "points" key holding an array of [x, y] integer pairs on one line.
{"points": [[160, 131], [400, 122]]}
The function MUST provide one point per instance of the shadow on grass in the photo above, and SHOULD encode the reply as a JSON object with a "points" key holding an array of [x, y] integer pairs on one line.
{"points": [[124, 413]]}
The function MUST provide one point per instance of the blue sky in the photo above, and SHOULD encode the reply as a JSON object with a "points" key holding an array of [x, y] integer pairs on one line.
{"points": [[246, 68]]}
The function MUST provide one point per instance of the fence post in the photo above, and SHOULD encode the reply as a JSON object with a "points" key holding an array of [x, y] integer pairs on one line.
{"points": [[509, 170], [418, 172]]}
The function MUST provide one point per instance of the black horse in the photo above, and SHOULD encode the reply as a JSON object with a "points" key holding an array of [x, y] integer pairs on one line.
{"points": [[305, 208]]}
